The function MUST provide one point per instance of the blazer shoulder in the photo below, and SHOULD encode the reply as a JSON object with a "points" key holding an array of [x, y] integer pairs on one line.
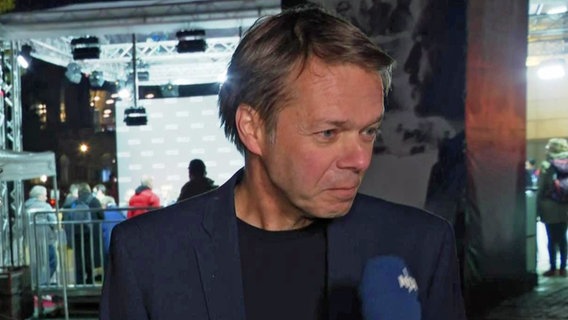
{"points": [[382, 211], [183, 217]]}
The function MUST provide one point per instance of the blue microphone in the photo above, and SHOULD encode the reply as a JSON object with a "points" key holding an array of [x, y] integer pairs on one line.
{"points": [[388, 291]]}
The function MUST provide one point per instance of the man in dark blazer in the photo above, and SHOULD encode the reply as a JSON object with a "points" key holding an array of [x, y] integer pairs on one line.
{"points": [[288, 236]]}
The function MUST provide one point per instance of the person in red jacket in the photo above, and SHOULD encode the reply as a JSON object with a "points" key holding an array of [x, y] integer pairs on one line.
{"points": [[144, 198]]}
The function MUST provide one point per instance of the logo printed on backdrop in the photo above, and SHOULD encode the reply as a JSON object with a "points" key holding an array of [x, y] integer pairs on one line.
{"points": [[198, 136]]}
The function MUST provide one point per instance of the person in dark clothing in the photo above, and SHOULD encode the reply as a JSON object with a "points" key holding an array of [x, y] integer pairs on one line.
{"points": [[198, 182], [85, 242], [552, 212], [531, 173], [113, 216], [71, 196]]}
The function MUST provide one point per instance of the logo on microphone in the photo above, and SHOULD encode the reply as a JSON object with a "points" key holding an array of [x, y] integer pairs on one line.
{"points": [[407, 282]]}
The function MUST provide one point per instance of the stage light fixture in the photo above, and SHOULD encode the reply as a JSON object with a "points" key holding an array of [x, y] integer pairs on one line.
{"points": [[73, 72], [143, 75], [142, 70], [191, 41], [135, 116], [85, 48], [25, 56], [96, 79], [169, 90], [190, 34]]}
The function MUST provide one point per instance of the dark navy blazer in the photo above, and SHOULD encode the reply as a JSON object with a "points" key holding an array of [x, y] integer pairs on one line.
{"points": [[182, 261]]}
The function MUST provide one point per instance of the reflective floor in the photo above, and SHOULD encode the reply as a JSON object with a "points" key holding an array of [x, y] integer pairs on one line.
{"points": [[548, 301]]}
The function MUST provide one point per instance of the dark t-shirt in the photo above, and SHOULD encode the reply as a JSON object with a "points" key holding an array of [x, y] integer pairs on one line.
{"points": [[284, 272]]}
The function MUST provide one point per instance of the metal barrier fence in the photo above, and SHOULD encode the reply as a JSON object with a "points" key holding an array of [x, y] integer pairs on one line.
{"points": [[72, 263]]}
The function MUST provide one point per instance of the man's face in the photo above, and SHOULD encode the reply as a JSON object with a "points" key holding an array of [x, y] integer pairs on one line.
{"points": [[323, 139]]}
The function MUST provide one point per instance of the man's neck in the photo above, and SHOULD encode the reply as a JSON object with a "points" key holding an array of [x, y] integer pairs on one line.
{"points": [[261, 205]]}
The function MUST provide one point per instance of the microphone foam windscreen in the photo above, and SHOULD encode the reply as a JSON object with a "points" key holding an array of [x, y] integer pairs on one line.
{"points": [[388, 291]]}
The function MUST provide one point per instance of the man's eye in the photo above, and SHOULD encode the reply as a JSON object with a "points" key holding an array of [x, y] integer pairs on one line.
{"points": [[373, 131], [327, 133]]}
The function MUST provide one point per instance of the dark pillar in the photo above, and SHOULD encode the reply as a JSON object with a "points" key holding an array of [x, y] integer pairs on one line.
{"points": [[496, 259]]}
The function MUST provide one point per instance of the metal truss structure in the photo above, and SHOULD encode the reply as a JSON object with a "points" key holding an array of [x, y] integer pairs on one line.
{"points": [[159, 58], [547, 33], [154, 23], [134, 17], [11, 192]]}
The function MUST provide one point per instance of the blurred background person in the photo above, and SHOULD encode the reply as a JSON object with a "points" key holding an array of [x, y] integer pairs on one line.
{"points": [[112, 217], [99, 191], [143, 198], [198, 182], [71, 196], [83, 233], [43, 235], [551, 211], [531, 173]]}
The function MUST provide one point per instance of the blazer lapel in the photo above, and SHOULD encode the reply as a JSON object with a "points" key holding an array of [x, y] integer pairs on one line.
{"points": [[219, 259], [345, 258]]}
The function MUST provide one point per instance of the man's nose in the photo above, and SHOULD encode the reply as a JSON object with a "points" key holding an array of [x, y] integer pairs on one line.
{"points": [[356, 155]]}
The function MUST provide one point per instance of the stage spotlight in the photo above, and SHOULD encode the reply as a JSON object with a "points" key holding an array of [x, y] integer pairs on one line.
{"points": [[191, 41], [73, 72], [85, 48], [142, 75], [25, 56], [142, 71], [96, 79], [135, 116], [189, 46], [169, 90]]}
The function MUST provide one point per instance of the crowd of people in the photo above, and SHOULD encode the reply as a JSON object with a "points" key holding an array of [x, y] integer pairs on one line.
{"points": [[87, 218]]}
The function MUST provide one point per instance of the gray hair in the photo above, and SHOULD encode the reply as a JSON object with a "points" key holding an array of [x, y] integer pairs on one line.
{"points": [[147, 181], [74, 188], [37, 191]]}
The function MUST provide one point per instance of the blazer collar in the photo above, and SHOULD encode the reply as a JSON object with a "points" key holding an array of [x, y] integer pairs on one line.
{"points": [[346, 256], [218, 255]]}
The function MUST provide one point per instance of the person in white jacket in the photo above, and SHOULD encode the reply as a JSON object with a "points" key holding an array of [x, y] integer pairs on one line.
{"points": [[42, 223]]}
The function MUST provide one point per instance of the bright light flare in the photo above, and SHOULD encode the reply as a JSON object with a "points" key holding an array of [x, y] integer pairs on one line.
{"points": [[552, 70], [83, 147]]}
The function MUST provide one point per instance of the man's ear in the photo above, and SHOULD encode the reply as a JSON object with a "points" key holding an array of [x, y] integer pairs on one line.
{"points": [[250, 128]]}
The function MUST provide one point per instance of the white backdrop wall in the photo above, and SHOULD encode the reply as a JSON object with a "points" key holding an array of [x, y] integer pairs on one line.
{"points": [[178, 130]]}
